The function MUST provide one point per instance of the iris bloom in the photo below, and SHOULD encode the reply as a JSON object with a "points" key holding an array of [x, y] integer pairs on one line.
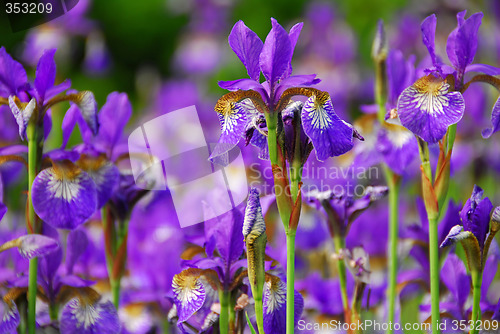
{"points": [[473, 233], [433, 103], [330, 135]]}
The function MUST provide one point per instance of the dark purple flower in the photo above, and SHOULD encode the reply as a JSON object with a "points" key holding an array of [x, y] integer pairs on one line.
{"points": [[428, 108], [64, 196], [475, 215]]}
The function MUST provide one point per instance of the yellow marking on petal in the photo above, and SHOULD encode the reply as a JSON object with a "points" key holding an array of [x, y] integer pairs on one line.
{"points": [[90, 163], [65, 170]]}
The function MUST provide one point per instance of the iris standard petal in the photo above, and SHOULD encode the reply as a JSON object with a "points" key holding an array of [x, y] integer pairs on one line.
{"points": [[276, 54], [12, 74], [428, 28], [398, 147], [77, 243], [85, 317], [475, 215], [466, 40], [64, 196], [45, 74], [427, 108], [330, 135], [22, 113], [247, 46]]}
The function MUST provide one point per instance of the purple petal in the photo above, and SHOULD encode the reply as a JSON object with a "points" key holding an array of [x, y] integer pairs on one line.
{"points": [[254, 221], [466, 40], [115, 113], [330, 135], [244, 84], [22, 114], [398, 147], [275, 306], [427, 108], [294, 36], [489, 272], [89, 318], [45, 74], [77, 243], [12, 75], [47, 124], [189, 294], [276, 54], [483, 68], [105, 175], [495, 120], [68, 124], [456, 234], [296, 81], [233, 121], [454, 276], [400, 74], [88, 108], [9, 316], [64, 197], [227, 231], [247, 46], [49, 265], [75, 281], [428, 28], [260, 141], [57, 89], [34, 245], [475, 215]]}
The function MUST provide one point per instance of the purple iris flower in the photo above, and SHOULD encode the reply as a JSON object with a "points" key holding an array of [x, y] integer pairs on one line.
{"points": [[330, 135], [475, 216]]}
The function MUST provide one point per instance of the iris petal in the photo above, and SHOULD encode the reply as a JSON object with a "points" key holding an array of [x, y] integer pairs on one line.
{"points": [[233, 120], [64, 196], [89, 318], [189, 293], [330, 135], [104, 174], [427, 108], [275, 306], [22, 112], [9, 317]]}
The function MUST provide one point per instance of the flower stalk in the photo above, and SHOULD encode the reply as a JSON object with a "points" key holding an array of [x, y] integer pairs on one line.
{"points": [[477, 278]]}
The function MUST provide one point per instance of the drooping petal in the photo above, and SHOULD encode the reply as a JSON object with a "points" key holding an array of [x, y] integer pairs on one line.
{"points": [[9, 316], [276, 54], [330, 135], [64, 196], [495, 120], [22, 112], [245, 84], [86, 317], [466, 40], [12, 75], [53, 91], [428, 28], [398, 147], [456, 234], [475, 215], [247, 46], [104, 174], [233, 121], [427, 108], [77, 243], [34, 245], [275, 306], [483, 68], [45, 74], [88, 108], [189, 293]]}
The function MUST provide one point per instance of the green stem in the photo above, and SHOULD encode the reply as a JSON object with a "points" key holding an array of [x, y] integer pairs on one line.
{"points": [[393, 184], [53, 310], [290, 274], [259, 310], [272, 140], [34, 153], [477, 278], [115, 291], [380, 89], [339, 243], [434, 271], [224, 312]]}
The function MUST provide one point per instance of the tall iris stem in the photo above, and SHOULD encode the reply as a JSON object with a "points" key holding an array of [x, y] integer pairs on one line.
{"points": [[224, 311], [285, 208], [434, 271], [393, 183], [35, 147], [339, 243], [477, 278]]}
